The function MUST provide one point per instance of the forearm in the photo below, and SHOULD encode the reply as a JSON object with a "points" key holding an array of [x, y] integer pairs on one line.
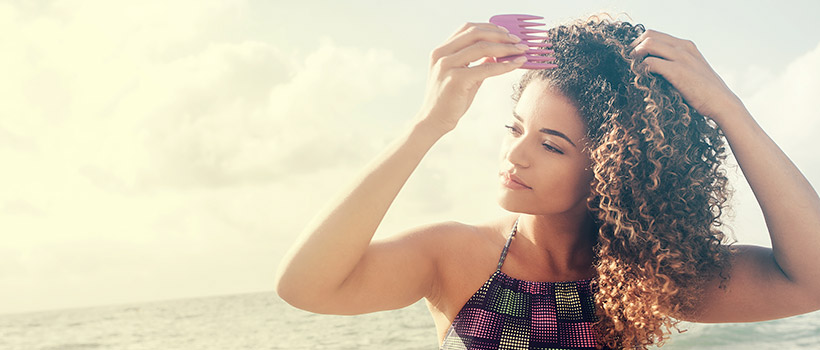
{"points": [[336, 239], [790, 205]]}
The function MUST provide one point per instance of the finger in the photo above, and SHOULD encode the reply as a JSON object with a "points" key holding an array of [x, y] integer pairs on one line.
{"points": [[479, 32], [482, 49], [489, 69], [660, 66], [676, 48], [656, 35], [483, 61], [652, 46], [482, 25], [470, 34]]}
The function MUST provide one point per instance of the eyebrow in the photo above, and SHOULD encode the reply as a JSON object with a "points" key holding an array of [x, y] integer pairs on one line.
{"points": [[548, 131]]}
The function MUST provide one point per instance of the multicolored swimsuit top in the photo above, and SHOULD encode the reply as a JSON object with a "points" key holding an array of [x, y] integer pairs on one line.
{"points": [[508, 313]]}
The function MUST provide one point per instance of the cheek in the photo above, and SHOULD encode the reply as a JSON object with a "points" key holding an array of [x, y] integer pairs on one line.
{"points": [[568, 184]]}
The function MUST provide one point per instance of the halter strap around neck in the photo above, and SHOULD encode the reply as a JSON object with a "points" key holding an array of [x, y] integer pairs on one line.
{"points": [[507, 245]]}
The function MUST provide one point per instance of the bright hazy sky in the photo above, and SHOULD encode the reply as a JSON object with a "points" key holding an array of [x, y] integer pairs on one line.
{"points": [[154, 149]]}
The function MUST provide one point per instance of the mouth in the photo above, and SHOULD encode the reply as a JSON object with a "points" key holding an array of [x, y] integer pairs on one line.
{"points": [[513, 181]]}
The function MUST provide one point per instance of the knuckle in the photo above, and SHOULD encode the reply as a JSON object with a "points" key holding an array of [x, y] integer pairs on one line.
{"points": [[651, 63], [435, 54], [445, 61]]}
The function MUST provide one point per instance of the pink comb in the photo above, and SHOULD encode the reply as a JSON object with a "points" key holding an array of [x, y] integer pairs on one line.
{"points": [[519, 26]]}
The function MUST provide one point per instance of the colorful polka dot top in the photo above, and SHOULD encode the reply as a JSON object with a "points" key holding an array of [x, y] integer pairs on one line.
{"points": [[508, 313]]}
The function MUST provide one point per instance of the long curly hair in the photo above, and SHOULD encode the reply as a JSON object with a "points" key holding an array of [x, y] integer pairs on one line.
{"points": [[659, 187]]}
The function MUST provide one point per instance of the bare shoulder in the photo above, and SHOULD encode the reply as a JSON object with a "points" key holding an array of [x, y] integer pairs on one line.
{"points": [[476, 247], [466, 255], [448, 237]]}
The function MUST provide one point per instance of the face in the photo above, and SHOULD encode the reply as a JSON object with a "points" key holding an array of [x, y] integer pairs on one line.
{"points": [[545, 148]]}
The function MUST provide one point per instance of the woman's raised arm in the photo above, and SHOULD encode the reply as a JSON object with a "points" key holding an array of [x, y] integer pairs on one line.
{"points": [[334, 268], [764, 283]]}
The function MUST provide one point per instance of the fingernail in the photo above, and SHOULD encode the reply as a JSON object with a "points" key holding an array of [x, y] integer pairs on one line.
{"points": [[521, 46], [521, 59], [514, 38], [503, 28]]}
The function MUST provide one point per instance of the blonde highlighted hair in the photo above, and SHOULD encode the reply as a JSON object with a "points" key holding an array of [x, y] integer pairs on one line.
{"points": [[658, 190]]}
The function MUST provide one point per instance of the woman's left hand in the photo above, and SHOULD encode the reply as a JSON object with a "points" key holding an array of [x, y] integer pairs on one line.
{"points": [[680, 62]]}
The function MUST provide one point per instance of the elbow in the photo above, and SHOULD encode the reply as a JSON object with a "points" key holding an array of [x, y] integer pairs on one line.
{"points": [[298, 294], [303, 301], [291, 295], [289, 285], [286, 290]]}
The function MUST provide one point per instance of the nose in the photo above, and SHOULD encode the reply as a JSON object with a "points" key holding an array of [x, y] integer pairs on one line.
{"points": [[515, 152]]}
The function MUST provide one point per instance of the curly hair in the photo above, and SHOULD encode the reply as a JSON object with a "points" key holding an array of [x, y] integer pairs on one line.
{"points": [[659, 187]]}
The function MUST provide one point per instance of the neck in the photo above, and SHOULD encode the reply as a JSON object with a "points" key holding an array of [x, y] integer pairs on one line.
{"points": [[562, 242]]}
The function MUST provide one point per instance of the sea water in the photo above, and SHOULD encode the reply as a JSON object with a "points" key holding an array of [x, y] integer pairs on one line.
{"points": [[263, 321]]}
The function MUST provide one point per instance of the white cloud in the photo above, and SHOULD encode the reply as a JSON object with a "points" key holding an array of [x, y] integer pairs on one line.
{"points": [[243, 113], [788, 106], [150, 153], [785, 105]]}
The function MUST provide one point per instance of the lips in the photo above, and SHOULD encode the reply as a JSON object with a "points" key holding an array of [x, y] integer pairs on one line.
{"points": [[514, 178]]}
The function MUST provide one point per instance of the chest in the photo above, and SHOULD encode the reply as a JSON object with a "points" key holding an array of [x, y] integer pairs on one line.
{"points": [[529, 314], [470, 281]]}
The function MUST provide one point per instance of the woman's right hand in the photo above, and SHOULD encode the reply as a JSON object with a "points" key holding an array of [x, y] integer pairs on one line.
{"points": [[452, 83]]}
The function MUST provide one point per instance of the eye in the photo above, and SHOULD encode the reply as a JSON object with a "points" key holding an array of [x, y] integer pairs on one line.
{"points": [[511, 129], [547, 146], [550, 148]]}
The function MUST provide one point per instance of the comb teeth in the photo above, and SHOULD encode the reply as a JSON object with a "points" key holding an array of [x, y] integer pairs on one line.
{"points": [[523, 27], [520, 17]]}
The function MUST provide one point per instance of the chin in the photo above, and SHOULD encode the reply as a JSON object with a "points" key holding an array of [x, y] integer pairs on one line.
{"points": [[509, 203], [512, 202]]}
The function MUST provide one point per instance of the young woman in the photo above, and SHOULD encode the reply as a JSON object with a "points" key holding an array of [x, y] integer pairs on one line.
{"points": [[612, 167]]}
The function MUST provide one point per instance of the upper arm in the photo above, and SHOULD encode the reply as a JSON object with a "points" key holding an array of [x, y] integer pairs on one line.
{"points": [[756, 290], [393, 272]]}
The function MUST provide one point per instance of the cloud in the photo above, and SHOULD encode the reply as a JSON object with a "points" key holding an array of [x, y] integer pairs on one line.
{"points": [[143, 143], [785, 105], [246, 113], [158, 103]]}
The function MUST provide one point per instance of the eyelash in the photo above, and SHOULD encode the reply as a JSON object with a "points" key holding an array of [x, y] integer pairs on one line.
{"points": [[547, 146]]}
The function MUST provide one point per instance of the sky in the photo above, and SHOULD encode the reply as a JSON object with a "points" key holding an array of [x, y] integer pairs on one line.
{"points": [[156, 150]]}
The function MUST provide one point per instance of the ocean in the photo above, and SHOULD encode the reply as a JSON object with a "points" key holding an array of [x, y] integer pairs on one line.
{"points": [[263, 321]]}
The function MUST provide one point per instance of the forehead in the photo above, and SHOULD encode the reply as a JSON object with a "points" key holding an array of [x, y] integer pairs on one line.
{"points": [[543, 107]]}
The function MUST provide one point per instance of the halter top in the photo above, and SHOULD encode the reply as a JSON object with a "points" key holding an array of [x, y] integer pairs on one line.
{"points": [[508, 313]]}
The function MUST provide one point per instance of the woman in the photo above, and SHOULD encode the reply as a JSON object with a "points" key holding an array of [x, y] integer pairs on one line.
{"points": [[612, 168]]}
